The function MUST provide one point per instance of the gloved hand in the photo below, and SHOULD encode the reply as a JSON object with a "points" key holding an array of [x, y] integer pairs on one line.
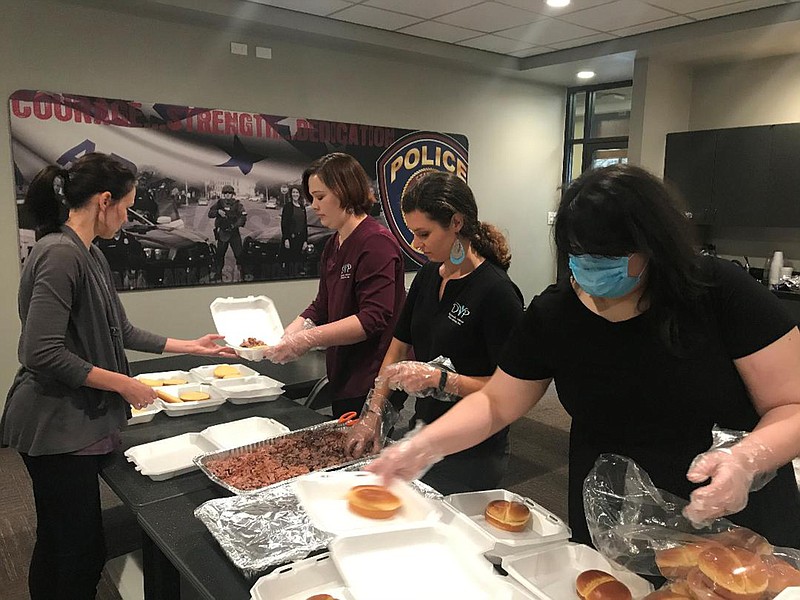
{"points": [[292, 346], [734, 473], [408, 459], [417, 379], [367, 436]]}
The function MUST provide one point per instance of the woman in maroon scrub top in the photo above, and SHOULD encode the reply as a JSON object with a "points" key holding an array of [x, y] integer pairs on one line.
{"points": [[361, 288]]}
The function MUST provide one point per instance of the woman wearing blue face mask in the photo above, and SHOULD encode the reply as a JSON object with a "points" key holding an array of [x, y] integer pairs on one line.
{"points": [[650, 346]]}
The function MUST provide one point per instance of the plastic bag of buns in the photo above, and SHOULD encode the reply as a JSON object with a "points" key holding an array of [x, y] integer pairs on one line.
{"points": [[642, 528]]}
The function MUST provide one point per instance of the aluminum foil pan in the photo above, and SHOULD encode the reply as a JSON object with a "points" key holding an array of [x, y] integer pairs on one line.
{"points": [[203, 460], [262, 531]]}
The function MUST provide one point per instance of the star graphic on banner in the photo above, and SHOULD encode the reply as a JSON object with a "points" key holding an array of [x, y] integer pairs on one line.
{"points": [[291, 123], [241, 157]]}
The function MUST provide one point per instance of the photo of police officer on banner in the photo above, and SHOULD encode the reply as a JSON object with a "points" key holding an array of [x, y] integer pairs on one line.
{"points": [[229, 215]]}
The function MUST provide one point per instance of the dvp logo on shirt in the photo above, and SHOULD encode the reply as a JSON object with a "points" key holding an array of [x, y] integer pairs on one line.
{"points": [[458, 313], [346, 269]]}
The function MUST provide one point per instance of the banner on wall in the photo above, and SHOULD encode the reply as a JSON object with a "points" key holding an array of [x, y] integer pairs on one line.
{"points": [[184, 156]]}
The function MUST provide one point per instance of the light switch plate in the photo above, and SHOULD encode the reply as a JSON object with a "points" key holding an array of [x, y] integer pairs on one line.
{"points": [[237, 48], [262, 52]]}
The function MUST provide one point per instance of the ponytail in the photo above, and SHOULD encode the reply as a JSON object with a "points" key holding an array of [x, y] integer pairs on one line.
{"points": [[55, 190], [491, 245]]}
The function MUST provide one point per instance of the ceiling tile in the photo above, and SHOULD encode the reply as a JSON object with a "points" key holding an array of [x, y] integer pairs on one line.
{"points": [[686, 6], [584, 41], [374, 17], [653, 25], [730, 9], [489, 16], [439, 31], [494, 43], [546, 31], [617, 14], [539, 6], [314, 7], [426, 9]]}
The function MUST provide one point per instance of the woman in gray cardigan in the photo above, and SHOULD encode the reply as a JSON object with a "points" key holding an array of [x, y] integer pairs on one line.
{"points": [[73, 391]]}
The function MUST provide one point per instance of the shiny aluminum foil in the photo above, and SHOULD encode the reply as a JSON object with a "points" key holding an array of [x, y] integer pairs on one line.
{"points": [[268, 529]]}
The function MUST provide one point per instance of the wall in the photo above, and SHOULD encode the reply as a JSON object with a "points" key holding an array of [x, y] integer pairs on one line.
{"points": [[757, 92], [515, 128]]}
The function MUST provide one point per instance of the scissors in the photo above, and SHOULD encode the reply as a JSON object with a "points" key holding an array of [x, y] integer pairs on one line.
{"points": [[349, 418]]}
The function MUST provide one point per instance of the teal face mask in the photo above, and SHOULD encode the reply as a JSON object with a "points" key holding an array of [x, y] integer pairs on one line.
{"points": [[602, 276]]}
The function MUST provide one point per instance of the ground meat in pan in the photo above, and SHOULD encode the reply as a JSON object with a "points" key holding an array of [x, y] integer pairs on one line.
{"points": [[286, 457]]}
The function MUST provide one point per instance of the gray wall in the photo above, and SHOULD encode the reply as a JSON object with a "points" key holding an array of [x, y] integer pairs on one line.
{"points": [[515, 128]]}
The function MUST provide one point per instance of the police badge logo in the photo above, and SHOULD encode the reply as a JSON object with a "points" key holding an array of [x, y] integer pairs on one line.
{"points": [[402, 163]]}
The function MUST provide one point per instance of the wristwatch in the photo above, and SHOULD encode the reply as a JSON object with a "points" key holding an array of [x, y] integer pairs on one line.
{"points": [[442, 380]]}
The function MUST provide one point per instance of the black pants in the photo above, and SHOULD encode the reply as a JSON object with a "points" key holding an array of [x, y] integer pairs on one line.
{"points": [[70, 551], [235, 242]]}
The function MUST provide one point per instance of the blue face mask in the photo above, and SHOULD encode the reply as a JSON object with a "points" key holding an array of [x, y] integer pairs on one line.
{"points": [[602, 276]]}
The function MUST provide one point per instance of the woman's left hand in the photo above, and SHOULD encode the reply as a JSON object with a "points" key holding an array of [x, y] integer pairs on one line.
{"points": [[292, 346], [412, 377], [207, 346], [731, 477]]}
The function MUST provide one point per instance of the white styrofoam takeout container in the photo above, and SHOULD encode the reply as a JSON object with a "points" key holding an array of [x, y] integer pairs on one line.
{"points": [[244, 431], [790, 593], [144, 415], [205, 373], [240, 318], [180, 409], [169, 457], [160, 375], [550, 572], [543, 528], [245, 390], [323, 495], [300, 580], [434, 560]]}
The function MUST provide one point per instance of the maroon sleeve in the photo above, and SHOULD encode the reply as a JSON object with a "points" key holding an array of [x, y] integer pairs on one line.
{"points": [[317, 311], [375, 283]]}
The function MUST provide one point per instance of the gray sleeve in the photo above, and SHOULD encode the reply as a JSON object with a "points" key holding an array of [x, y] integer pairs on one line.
{"points": [[57, 275]]}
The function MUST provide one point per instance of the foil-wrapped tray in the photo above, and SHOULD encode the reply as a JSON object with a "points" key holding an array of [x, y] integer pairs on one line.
{"points": [[203, 460]]}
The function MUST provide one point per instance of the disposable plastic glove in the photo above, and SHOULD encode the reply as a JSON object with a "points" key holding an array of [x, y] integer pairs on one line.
{"points": [[408, 459], [734, 473], [367, 436], [418, 379], [293, 346]]}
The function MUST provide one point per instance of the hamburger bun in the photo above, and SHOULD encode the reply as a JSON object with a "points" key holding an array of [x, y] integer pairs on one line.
{"points": [[151, 382], [672, 591], [742, 537], [168, 397], [700, 586], [610, 590], [223, 371], [588, 580], [781, 575], [373, 502], [675, 563], [175, 381], [734, 573], [193, 396], [507, 515], [321, 597]]}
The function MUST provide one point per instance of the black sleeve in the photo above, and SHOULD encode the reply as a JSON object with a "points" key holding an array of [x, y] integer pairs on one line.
{"points": [[750, 316], [524, 355], [502, 311], [402, 330]]}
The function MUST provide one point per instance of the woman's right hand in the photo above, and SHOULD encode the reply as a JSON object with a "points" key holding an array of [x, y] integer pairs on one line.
{"points": [[137, 394], [364, 437], [408, 459]]}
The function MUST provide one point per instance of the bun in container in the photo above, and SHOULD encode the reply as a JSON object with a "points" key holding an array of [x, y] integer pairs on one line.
{"points": [[373, 502], [507, 515], [599, 585]]}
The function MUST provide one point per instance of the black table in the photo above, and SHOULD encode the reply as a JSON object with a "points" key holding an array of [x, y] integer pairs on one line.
{"points": [[298, 376], [166, 552]]}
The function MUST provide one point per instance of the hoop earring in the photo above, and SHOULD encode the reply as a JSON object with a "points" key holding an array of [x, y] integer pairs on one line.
{"points": [[457, 252]]}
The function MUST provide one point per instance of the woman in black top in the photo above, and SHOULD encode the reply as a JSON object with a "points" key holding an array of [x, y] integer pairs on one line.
{"points": [[649, 346], [462, 306], [294, 232]]}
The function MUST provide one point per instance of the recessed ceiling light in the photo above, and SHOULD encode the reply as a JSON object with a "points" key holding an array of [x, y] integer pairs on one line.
{"points": [[585, 74], [558, 3]]}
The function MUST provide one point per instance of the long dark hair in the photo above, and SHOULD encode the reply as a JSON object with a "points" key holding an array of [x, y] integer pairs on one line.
{"points": [[440, 195], [622, 209], [346, 178], [55, 190]]}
